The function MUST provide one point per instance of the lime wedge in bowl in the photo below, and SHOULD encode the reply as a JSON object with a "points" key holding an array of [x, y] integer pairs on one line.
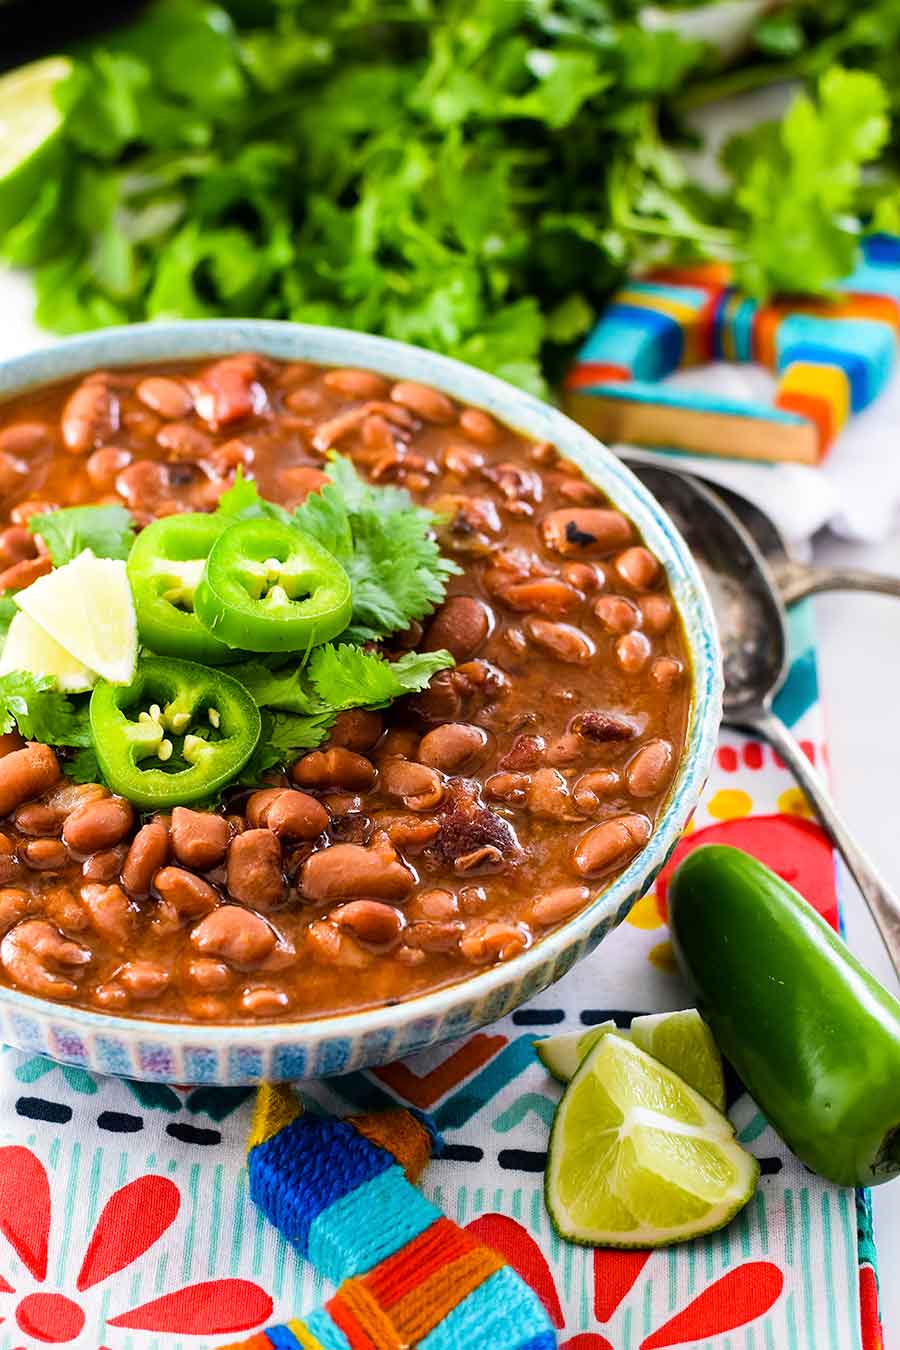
{"points": [[86, 606], [637, 1158], [29, 647], [29, 132]]}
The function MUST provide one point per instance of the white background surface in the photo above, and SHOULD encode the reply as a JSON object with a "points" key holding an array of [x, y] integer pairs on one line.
{"points": [[859, 655]]}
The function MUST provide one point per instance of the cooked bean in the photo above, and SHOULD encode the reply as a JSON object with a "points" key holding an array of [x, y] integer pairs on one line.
{"points": [[265, 1002], [22, 574], [507, 787], [38, 959], [258, 804], [370, 920], [16, 542], [345, 871], [637, 567], [295, 815], [597, 724], [228, 390], [579, 492], [148, 852], [90, 418], [657, 611], [336, 946], [566, 749], [199, 838], [104, 866], [460, 626], [10, 741], [254, 875], [411, 833], [38, 818], [24, 438], [105, 465], [610, 844], [144, 979], [548, 795], [616, 614], [237, 935], [595, 787], [165, 396], [111, 912], [562, 639], [14, 905], [26, 773], [666, 672], [357, 729], [335, 767], [419, 786], [633, 652], [67, 797], [650, 769], [210, 976], [557, 904], [479, 426], [584, 577], [493, 941], [45, 855], [356, 383], [429, 404], [98, 824], [298, 481], [453, 746], [544, 595], [23, 511], [585, 530], [12, 472], [184, 443], [462, 461], [434, 935], [186, 894], [433, 904]]}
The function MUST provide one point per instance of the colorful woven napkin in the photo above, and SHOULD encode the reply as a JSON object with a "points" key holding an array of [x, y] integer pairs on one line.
{"points": [[125, 1219]]}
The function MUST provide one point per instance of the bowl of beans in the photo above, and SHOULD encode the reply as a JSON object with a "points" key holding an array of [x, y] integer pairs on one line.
{"points": [[429, 864]]}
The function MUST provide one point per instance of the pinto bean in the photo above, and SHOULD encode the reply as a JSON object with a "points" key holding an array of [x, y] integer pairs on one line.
{"points": [[548, 795], [460, 626], [14, 905], [666, 672], [594, 787], [148, 853], [557, 904], [610, 844], [199, 838], [16, 542], [584, 577], [254, 873], [45, 855], [24, 438], [462, 461], [543, 595], [90, 417], [336, 767], [228, 391], [165, 396], [356, 383], [562, 639], [69, 796], [184, 443], [434, 935], [419, 787], [26, 773], [336, 946], [237, 935], [111, 913], [507, 787], [105, 465], [38, 818], [99, 824], [23, 573], [12, 472], [429, 404], [345, 871], [144, 980], [263, 1001], [184, 893], [290, 814], [637, 567], [616, 614], [104, 866], [369, 920], [357, 729], [657, 611], [207, 975], [453, 746], [493, 940], [633, 652], [38, 959], [582, 530], [479, 426], [650, 769], [432, 904]]}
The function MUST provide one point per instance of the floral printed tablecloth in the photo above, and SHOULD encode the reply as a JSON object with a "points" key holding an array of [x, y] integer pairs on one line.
{"points": [[125, 1221]]}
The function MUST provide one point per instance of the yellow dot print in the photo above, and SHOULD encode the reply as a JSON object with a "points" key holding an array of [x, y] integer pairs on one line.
{"points": [[794, 802], [729, 804], [663, 956], [645, 914]]}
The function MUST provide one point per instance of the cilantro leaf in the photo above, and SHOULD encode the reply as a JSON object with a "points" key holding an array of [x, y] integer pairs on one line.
{"points": [[108, 531], [243, 502], [83, 766], [287, 690], [349, 677], [33, 704], [281, 739], [8, 611], [387, 545]]}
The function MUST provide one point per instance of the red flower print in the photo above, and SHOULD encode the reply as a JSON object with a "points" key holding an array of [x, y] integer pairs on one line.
{"points": [[133, 1219]]}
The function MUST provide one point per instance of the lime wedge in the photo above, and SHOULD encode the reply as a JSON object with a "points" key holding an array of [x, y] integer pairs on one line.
{"points": [[639, 1159], [29, 647], [29, 127], [86, 606], [561, 1055], [684, 1043]]}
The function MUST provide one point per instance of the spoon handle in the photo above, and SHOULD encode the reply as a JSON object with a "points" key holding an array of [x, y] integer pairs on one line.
{"points": [[795, 580], [882, 903]]}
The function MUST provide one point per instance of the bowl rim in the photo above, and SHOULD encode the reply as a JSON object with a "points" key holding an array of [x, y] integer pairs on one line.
{"points": [[162, 342]]}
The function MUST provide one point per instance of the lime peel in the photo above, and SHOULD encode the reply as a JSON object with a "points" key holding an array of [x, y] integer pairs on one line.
{"points": [[86, 606]]}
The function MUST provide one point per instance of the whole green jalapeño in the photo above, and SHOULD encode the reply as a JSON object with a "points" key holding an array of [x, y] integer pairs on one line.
{"points": [[268, 587], [164, 567], [176, 734]]}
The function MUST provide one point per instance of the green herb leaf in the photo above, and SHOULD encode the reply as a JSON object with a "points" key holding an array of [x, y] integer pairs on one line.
{"points": [[83, 766], [349, 677], [287, 690], [108, 531], [8, 611], [243, 502], [40, 712]]}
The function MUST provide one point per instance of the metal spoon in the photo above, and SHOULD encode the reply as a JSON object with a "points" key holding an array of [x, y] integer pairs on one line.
{"points": [[753, 632]]}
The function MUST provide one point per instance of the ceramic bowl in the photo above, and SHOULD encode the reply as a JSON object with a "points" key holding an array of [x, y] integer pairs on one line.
{"points": [[182, 1053]]}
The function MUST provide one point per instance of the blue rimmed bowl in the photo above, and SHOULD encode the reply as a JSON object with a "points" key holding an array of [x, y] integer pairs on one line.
{"points": [[192, 1053]]}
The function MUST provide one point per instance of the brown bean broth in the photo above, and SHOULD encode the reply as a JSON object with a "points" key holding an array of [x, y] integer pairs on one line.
{"points": [[522, 680]]}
